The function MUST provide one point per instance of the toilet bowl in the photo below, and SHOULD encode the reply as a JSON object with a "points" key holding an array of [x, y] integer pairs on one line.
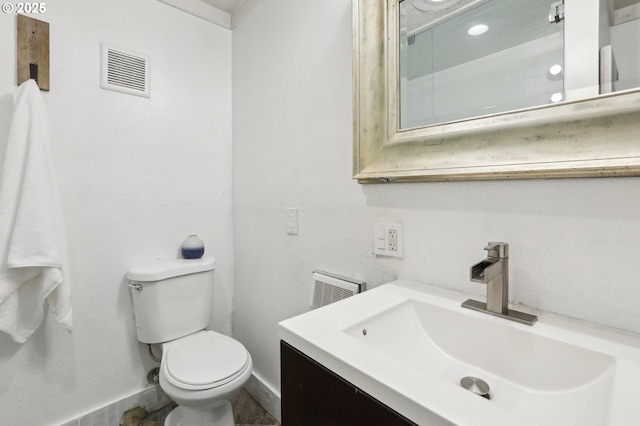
{"points": [[202, 373], [200, 370]]}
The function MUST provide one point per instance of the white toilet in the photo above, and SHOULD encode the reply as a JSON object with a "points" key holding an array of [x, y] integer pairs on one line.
{"points": [[200, 370]]}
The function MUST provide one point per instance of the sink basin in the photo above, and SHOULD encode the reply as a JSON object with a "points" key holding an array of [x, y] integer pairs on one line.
{"points": [[544, 379], [408, 345]]}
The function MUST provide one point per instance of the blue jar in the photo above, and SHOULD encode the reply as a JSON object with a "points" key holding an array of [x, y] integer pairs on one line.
{"points": [[192, 247]]}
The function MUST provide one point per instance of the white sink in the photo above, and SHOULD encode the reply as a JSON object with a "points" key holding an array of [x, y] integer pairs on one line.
{"points": [[543, 379], [409, 344]]}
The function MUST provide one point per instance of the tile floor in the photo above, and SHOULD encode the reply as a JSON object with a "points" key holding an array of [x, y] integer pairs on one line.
{"points": [[247, 411]]}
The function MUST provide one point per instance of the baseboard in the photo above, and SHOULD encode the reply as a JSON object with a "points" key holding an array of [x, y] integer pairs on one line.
{"points": [[265, 394], [151, 398]]}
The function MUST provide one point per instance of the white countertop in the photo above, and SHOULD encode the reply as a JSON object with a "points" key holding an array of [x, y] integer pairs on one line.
{"points": [[324, 335]]}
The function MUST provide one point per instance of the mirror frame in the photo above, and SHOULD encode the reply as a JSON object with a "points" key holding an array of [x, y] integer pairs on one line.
{"points": [[596, 137]]}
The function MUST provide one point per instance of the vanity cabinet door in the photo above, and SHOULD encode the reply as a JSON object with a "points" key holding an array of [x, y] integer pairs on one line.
{"points": [[312, 395]]}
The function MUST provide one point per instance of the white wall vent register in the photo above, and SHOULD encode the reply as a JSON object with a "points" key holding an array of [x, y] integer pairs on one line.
{"points": [[329, 288], [124, 71]]}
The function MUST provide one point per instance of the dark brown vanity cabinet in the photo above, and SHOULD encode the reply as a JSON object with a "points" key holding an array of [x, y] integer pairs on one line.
{"points": [[312, 395]]}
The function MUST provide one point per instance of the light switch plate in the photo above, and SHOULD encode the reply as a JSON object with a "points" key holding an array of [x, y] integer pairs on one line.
{"points": [[292, 220]]}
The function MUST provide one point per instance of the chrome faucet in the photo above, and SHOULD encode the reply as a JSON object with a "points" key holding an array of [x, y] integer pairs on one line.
{"points": [[494, 272]]}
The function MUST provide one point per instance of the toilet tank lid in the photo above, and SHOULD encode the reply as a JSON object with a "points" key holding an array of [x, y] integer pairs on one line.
{"points": [[170, 268]]}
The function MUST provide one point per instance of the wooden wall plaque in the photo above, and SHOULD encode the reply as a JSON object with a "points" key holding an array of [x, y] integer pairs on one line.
{"points": [[33, 51]]}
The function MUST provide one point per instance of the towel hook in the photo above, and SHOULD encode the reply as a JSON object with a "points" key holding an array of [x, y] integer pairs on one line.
{"points": [[33, 72], [32, 45]]}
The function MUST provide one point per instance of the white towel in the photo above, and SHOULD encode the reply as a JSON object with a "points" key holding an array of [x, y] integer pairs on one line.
{"points": [[33, 250]]}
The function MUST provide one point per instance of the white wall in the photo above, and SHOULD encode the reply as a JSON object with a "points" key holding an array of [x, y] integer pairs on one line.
{"points": [[137, 176], [574, 243]]}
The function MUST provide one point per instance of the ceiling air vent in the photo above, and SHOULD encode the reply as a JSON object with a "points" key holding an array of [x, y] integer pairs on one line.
{"points": [[124, 71]]}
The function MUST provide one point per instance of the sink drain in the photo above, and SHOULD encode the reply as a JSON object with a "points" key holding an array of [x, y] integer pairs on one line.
{"points": [[476, 385]]}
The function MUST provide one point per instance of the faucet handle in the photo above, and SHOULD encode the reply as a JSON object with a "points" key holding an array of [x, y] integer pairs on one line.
{"points": [[497, 249]]}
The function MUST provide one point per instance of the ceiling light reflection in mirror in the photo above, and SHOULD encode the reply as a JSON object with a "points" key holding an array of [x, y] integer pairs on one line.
{"points": [[478, 29]]}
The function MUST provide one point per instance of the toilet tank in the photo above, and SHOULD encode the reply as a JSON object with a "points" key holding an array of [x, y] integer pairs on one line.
{"points": [[171, 298]]}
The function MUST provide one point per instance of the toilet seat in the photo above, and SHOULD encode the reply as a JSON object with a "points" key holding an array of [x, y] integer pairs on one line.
{"points": [[204, 360]]}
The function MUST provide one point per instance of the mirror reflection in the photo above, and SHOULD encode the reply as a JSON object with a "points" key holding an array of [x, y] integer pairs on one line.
{"points": [[460, 59]]}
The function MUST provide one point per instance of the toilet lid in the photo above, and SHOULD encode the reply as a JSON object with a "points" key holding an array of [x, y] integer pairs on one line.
{"points": [[205, 360]]}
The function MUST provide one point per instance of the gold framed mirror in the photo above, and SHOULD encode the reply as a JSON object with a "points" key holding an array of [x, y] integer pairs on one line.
{"points": [[594, 137]]}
